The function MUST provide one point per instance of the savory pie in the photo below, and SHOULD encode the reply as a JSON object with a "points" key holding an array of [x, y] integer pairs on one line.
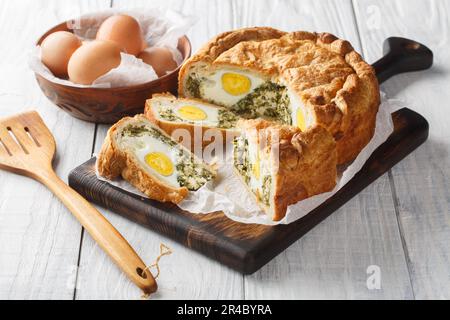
{"points": [[301, 79], [282, 165], [150, 160]]}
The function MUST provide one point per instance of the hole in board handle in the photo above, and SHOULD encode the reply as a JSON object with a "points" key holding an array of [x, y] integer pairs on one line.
{"points": [[141, 273], [411, 46]]}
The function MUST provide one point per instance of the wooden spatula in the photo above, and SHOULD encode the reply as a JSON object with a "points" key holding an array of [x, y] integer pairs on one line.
{"points": [[27, 147]]}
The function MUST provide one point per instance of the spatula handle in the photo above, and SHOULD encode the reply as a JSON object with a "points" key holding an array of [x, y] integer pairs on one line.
{"points": [[102, 231]]}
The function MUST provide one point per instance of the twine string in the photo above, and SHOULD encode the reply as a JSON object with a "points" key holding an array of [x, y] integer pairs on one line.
{"points": [[163, 251]]}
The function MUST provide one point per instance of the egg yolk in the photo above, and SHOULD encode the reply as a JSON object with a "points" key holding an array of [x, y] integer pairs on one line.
{"points": [[160, 163], [301, 123], [256, 167], [258, 195], [192, 113], [235, 84]]}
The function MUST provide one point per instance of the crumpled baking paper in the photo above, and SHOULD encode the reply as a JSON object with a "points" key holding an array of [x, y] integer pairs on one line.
{"points": [[160, 29], [228, 194]]}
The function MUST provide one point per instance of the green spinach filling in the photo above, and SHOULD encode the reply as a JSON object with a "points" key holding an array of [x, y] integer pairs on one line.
{"points": [[266, 186], [193, 85], [168, 114], [136, 131], [241, 157], [269, 101], [226, 118], [192, 174]]}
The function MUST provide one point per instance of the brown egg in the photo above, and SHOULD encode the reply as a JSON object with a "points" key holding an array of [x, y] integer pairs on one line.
{"points": [[56, 50], [161, 59], [144, 44], [123, 30], [92, 60]]}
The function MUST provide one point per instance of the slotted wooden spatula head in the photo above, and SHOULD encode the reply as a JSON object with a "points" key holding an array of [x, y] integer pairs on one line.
{"points": [[27, 146]]}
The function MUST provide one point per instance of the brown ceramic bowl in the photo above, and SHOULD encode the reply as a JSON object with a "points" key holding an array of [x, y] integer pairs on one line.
{"points": [[108, 105]]}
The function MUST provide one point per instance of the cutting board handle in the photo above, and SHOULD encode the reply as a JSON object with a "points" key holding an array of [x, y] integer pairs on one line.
{"points": [[402, 55]]}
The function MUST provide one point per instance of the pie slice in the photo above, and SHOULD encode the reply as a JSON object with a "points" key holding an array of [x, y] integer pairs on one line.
{"points": [[281, 165], [301, 79], [178, 116], [150, 160]]}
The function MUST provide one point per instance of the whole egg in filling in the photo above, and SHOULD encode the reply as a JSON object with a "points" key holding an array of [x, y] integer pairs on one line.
{"points": [[250, 96], [158, 157], [164, 158], [228, 86], [195, 113], [244, 93]]}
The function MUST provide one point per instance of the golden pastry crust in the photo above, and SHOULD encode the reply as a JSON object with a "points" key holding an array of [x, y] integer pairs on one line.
{"points": [[328, 76], [307, 162], [194, 131], [113, 162]]}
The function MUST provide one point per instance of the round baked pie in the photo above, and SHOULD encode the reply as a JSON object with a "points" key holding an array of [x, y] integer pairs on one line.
{"points": [[300, 78]]}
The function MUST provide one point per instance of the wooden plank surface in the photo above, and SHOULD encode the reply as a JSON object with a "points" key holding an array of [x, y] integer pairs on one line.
{"points": [[39, 239], [422, 181]]}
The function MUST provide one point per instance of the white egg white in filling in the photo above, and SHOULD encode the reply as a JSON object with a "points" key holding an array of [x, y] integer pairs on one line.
{"points": [[193, 112], [223, 86], [301, 116], [162, 157]]}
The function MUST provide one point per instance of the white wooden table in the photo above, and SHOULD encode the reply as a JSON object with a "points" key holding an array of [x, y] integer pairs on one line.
{"points": [[400, 223]]}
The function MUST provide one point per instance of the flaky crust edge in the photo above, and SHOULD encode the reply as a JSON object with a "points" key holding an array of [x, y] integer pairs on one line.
{"points": [[307, 163], [113, 162], [308, 166]]}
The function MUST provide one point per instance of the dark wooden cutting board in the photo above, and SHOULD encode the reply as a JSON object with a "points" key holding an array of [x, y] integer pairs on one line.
{"points": [[247, 247]]}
